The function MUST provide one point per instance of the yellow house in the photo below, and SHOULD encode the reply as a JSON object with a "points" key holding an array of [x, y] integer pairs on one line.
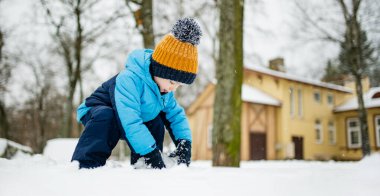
{"points": [[287, 117], [347, 118]]}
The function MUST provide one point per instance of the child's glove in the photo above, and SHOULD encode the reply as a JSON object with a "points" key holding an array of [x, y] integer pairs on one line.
{"points": [[154, 159], [183, 152]]}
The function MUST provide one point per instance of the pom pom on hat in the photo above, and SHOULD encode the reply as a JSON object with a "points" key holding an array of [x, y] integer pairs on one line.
{"points": [[187, 30]]}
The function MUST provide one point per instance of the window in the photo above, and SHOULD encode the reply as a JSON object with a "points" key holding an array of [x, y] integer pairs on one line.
{"points": [[330, 99], [332, 133], [353, 133], [318, 132], [317, 96], [209, 136], [291, 98], [300, 109], [377, 128]]}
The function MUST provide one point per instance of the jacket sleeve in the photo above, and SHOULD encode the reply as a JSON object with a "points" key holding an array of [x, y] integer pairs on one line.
{"points": [[176, 115], [127, 99]]}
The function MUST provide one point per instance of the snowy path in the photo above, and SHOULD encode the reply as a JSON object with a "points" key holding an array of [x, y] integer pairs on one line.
{"points": [[40, 176]]}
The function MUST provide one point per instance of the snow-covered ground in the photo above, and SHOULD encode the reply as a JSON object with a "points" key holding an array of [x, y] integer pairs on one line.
{"points": [[50, 174]]}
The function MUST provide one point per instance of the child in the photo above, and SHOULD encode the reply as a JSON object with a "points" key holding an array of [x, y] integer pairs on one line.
{"points": [[137, 103]]}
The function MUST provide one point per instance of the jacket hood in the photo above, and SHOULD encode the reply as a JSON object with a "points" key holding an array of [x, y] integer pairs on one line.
{"points": [[138, 61]]}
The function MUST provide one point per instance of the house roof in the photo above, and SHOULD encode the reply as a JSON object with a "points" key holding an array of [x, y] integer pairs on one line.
{"points": [[254, 95], [371, 100], [292, 77], [248, 94]]}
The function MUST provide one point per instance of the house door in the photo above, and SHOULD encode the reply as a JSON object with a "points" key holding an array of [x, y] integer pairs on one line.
{"points": [[298, 147], [258, 143]]}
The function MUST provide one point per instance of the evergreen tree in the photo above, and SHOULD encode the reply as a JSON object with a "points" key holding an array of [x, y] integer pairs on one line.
{"points": [[332, 74], [348, 58], [375, 76]]}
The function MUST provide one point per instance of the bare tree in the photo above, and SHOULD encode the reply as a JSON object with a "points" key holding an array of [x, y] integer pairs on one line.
{"points": [[73, 38], [229, 74], [40, 91], [347, 31], [41, 117], [37, 118]]}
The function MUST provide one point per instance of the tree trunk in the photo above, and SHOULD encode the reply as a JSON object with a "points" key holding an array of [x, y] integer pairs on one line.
{"points": [[366, 149], [78, 59], [67, 127], [73, 74], [40, 140], [81, 97], [4, 125], [354, 41], [147, 17], [4, 74], [229, 74]]}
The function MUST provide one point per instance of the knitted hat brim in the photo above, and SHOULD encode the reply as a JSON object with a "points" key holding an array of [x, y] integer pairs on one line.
{"points": [[169, 73]]}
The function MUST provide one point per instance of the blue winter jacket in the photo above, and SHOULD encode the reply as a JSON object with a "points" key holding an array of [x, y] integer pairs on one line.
{"points": [[137, 99]]}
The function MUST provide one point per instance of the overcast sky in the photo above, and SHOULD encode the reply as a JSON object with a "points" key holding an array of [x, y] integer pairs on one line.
{"points": [[267, 35]]}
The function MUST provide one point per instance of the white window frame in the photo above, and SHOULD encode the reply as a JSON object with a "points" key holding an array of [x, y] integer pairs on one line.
{"points": [[320, 96], [328, 101], [300, 103], [209, 136], [332, 132], [318, 128], [377, 130], [356, 129], [291, 101]]}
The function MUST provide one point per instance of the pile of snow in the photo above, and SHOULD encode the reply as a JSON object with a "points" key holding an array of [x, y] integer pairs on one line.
{"points": [[10, 148], [60, 149], [371, 161]]}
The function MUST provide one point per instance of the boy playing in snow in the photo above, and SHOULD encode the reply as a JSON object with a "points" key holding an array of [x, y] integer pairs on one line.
{"points": [[137, 104]]}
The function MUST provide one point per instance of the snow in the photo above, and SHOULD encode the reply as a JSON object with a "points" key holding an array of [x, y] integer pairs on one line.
{"points": [[60, 150], [369, 101], [41, 175], [254, 95], [5, 142], [296, 78]]}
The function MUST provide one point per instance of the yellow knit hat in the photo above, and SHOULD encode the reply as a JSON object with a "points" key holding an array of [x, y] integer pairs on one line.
{"points": [[176, 56]]}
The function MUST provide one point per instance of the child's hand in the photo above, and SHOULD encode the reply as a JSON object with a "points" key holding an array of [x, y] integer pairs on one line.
{"points": [[183, 152], [154, 159]]}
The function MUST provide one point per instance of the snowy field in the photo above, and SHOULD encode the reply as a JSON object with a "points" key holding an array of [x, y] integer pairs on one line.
{"points": [[50, 174]]}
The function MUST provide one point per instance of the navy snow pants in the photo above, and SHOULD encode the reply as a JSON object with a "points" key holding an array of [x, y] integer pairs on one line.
{"points": [[102, 133]]}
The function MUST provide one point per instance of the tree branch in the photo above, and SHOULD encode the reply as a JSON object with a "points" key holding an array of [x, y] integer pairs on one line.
{"points": [[346, 14], [326, 35]]}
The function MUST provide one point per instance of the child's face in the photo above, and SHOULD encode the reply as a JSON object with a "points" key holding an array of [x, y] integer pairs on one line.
{"points": [[166, 85]]}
